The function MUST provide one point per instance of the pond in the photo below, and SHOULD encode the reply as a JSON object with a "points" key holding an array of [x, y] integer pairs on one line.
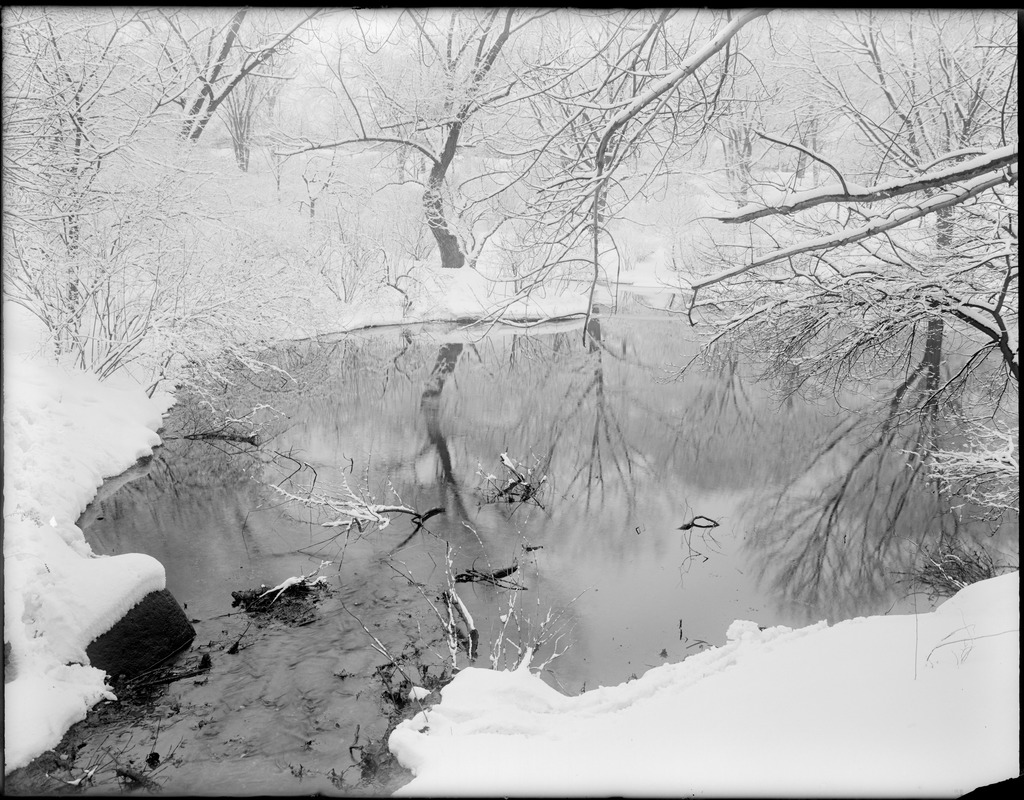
{"points": [[664, 508]]}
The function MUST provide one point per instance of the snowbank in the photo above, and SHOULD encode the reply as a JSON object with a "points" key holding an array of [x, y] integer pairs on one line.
{"points": [[63, 433], [920, 704], [434, 294]]}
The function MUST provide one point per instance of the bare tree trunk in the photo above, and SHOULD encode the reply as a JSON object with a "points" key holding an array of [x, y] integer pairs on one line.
{"points": [[452, 256], [933, 340], [241, 155]]}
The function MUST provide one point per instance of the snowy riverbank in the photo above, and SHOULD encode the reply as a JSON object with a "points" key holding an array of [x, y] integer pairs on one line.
{"points": [[64, 432], [919, 705]]}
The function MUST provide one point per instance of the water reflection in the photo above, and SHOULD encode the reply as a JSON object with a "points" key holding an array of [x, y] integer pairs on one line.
{"points": [[816, 505], [430, 406], [864, 507]]}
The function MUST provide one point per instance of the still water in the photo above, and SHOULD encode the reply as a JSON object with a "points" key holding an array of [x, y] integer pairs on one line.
{"points": [[814, 521]]}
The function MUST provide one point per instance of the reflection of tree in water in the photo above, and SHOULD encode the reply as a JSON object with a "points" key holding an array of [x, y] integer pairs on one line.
{"points": [[606, 422], [430, 405], [191, 458], [839, 534], [724, 409], [393, 366], [603, 443]]}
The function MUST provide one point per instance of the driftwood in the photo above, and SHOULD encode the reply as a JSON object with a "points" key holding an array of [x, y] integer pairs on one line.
{"points": [[298, 596], [497, 577], [223, 436], [418, 520], [518, 488], [135, 778], [699, 521], [452, 600]]}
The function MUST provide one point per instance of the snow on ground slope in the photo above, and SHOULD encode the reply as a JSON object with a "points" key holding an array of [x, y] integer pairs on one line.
{"points": [[63, 433], [433, 294], [893, 705]]}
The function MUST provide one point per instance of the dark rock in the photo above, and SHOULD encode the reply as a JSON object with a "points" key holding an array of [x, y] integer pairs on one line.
{"points": [[152, 632]]}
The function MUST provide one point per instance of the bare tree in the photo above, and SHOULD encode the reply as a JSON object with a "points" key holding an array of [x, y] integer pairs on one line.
{"points": [[107, 224], [250, 103], [71, 93], [902, 267], [206, 60], [941, 246], [457, 74], [639, 93]]}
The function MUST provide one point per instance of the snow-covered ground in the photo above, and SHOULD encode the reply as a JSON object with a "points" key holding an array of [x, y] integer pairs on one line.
{"points": [[920, 705], [64, 432], [433, 294]]}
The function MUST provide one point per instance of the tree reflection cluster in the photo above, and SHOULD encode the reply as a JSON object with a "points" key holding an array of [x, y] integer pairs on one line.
{"points": [[835, 501], [869, 504]]}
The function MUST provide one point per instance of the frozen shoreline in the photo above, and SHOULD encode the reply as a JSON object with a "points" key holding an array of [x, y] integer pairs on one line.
{"points": [[64, 433]]}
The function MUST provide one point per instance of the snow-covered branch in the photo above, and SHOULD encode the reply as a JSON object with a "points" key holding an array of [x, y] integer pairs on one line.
{"points": [[361, 140], [847, 192], [355, 511], [952, 196], [673, 79], [987, 472]]}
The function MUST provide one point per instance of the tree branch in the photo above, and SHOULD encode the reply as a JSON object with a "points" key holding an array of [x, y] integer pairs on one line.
{"points": [[947, 199], [811, 153], [996, 159], [364, 140]]}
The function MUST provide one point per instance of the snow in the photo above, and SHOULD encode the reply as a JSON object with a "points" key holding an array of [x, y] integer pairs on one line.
{"points": [[438, 295], [64, 432], [924, 704]]}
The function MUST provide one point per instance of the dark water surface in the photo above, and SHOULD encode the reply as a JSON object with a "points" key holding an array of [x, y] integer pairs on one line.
{"points": [[815, 521]]}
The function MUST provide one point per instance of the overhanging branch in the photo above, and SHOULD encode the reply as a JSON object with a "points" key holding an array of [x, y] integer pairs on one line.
{"points": [[947, 199], [362, 140], [798, 201]]}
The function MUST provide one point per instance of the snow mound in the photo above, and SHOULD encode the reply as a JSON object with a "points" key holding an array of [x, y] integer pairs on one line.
{"points": [[922, 704]]}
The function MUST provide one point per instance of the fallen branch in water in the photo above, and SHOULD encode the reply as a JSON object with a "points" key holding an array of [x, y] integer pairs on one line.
{"points": [[418, 520], [703, 524], [205, 436], [133, 777], [178, 676], [519, 486], [305, 581], [233, 650], [170, 676], [357, 510], [496, 577], [448, 625], [378, 645], [451, 598], [699, 521]]}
